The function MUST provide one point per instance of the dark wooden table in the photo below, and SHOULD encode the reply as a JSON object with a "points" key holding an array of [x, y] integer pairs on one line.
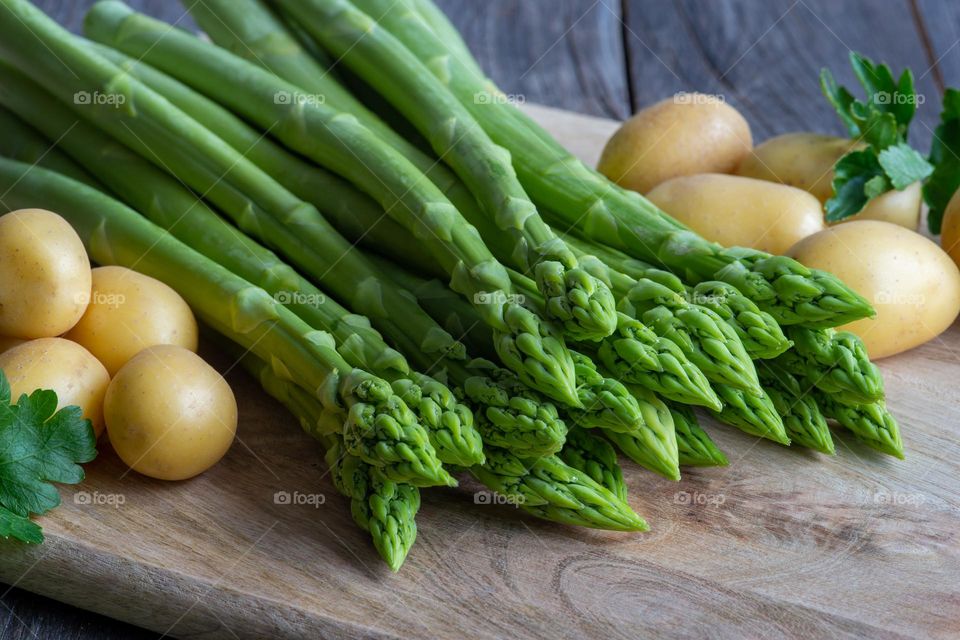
{"points": [[611, 57]]}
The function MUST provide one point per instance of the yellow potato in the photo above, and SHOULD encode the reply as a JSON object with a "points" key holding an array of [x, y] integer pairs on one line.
{"points": [[806, 160], [743, 212], [680, 136], [129, 312], [950, 229], [61, 366], [910, 281], [44, 275], [7, 343], [169, 414]]}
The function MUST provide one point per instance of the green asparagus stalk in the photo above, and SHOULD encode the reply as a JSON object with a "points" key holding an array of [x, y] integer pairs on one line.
{"points": [[22, 142], [385, 509], [761, 335], [608, 404], [871, 423], [379, 427], [171, 206], [552, 490], [802, 419], [694, 446], [582, 304], [595, 457], [752, 413], [655, 447], [576, 197], [340, 142], [836, 362]]}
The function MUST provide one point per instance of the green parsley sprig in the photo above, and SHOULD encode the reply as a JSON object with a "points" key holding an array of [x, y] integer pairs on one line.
{"points": [[945, 157]]}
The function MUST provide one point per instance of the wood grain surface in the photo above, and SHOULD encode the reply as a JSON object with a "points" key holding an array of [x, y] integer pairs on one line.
{"points": [[781, 544]]}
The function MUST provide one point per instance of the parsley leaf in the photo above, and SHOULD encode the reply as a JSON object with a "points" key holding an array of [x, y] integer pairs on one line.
{"points": [[38, 445], [945, 156], [882, 122]]}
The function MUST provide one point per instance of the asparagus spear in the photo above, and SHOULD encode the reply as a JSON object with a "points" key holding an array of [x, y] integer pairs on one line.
{"points": [[171, 206], [576, 197], [595, 457], [655, 447], [385, 509], [379, 427], [752, 413], [836, 362], [579, 301], [695, 447], [759, 333], [22, 142], [340, 142], [870, 423], [552, 490], [802, 419]]}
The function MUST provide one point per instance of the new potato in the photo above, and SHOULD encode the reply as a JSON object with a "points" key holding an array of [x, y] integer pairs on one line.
{"points": [[741, 212], [44, 275], [680, 136], [913, 285], [61, 366], [169, 414], [806, 160], [129, 312]]}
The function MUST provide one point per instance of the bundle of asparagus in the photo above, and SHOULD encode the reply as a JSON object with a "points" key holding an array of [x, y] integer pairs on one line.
{"points": [[468, 333]]}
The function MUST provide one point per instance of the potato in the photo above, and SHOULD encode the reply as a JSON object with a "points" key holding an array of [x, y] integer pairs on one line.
{"points": [[680, 136], [744, 212], [910, 281], [806, 160], [44, 275], [7, 343], [61, 366], [169, 414], [129, 312], [950, 229]]}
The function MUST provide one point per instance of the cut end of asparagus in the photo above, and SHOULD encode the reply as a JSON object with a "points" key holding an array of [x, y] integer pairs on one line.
{"points": [[580, 303]]}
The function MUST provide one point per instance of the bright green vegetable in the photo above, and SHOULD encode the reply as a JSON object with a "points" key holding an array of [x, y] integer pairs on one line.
{"points": [[836, 362], [655, 446], [576, 197], [552, 490], [607, 403], [341, 143], [38, 446], [752, 413], [870, 423], [694, 446], [583, 305], [168, 204], [379, 426], [24, 143], [888, 162], [594, 456], [945, 158], [802, 419], [386, 509]]}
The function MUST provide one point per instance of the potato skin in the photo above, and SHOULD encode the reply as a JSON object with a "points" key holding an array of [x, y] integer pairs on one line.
{"points": [[910, 281], [679, 136], [169, 414], [62, 366], [737, 211], [805, 160], [44, 275], [950, 229], [129, 312], [7, 343]]}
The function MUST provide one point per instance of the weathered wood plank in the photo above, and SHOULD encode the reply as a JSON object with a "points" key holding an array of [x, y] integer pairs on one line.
{"points": [[562, 53], [765, 57], [939, 20]]}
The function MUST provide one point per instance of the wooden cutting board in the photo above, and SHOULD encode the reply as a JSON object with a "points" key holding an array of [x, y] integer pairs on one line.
{"points": [[782, 543]]}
